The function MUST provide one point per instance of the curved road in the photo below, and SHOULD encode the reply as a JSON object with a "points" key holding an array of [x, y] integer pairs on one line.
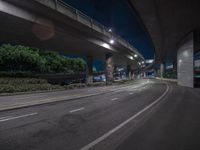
{"points": [[147, 115]]}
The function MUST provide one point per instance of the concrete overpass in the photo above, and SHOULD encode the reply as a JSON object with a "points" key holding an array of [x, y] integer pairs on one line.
{"points": [[54, 25], [173, 27]]}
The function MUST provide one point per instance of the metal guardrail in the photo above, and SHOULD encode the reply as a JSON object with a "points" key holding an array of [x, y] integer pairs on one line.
{"points": [[88, 21]]}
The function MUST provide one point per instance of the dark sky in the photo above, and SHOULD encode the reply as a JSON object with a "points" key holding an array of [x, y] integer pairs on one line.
{"points": [[118, 15]]}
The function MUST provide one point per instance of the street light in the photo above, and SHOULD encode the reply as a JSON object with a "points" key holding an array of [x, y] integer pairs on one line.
{"points": [[112, 41], [131, 57], [135, 55], [110, 30]]}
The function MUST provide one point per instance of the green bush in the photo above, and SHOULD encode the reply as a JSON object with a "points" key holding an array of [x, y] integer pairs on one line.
{"points": [[10, 88]]}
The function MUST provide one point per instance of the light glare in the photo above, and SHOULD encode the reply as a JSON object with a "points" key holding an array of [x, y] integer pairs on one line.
{"points": [[112, 41], [105, 45]]}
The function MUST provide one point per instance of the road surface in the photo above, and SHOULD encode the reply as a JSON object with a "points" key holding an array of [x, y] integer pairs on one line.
{"points": [[147, 115]]}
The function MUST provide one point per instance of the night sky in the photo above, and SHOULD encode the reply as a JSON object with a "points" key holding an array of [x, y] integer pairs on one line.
{"points": [[118, 15]]}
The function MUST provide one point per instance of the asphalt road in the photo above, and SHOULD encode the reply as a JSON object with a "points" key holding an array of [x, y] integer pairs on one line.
{"points": [[148, 115]]}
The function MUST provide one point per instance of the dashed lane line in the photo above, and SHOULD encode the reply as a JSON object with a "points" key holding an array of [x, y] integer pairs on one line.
{"points": [[75, 110], [114, 99], [3, 119]]}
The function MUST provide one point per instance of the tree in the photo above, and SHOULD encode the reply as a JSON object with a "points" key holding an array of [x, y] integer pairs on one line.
{"points": [[23, 58], [20, 58]]}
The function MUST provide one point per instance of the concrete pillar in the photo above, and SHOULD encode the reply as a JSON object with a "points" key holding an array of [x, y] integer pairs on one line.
{"points": [[128, 73], [162, 69], [109, 67], [132, 75], [185, 62], [89, 70], [145, 74]]}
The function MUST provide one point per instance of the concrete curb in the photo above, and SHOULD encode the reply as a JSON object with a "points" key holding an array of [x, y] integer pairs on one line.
{"points": [[166, 79], [45, 101]]}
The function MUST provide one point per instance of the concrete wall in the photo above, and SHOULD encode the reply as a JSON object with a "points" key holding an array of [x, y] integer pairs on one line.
{"points": [[185, 62]]}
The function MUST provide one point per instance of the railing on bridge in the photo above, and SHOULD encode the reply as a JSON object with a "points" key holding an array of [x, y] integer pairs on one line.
{"points": [[77, 15]]}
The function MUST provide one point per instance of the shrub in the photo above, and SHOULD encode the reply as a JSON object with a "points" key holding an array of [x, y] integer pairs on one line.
{"points": [[11, 85], [11, 88]]}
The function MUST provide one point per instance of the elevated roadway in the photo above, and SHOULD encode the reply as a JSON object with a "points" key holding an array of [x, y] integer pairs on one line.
{"points": [[54, 25], [173, 27]]}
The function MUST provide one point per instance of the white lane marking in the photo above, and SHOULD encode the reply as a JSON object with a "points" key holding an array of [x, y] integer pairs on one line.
{"points": [[129, 87], [17, 117], [27, 97], [114, 99], [130, 93], [75, 110], [4, 117], [106, 135]]}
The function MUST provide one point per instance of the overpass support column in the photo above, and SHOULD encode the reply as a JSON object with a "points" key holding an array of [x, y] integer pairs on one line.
{"points": [[89, 70], [109, 67], [185, 62], [128, 73], [162, 69]]}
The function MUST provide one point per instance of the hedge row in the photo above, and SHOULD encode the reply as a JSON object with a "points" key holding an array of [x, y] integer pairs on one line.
{"points": [[12, 85], [13, 88]]}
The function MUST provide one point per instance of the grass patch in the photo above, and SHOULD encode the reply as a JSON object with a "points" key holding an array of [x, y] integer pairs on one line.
{"points": [[22, 81], [13, 85]]}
